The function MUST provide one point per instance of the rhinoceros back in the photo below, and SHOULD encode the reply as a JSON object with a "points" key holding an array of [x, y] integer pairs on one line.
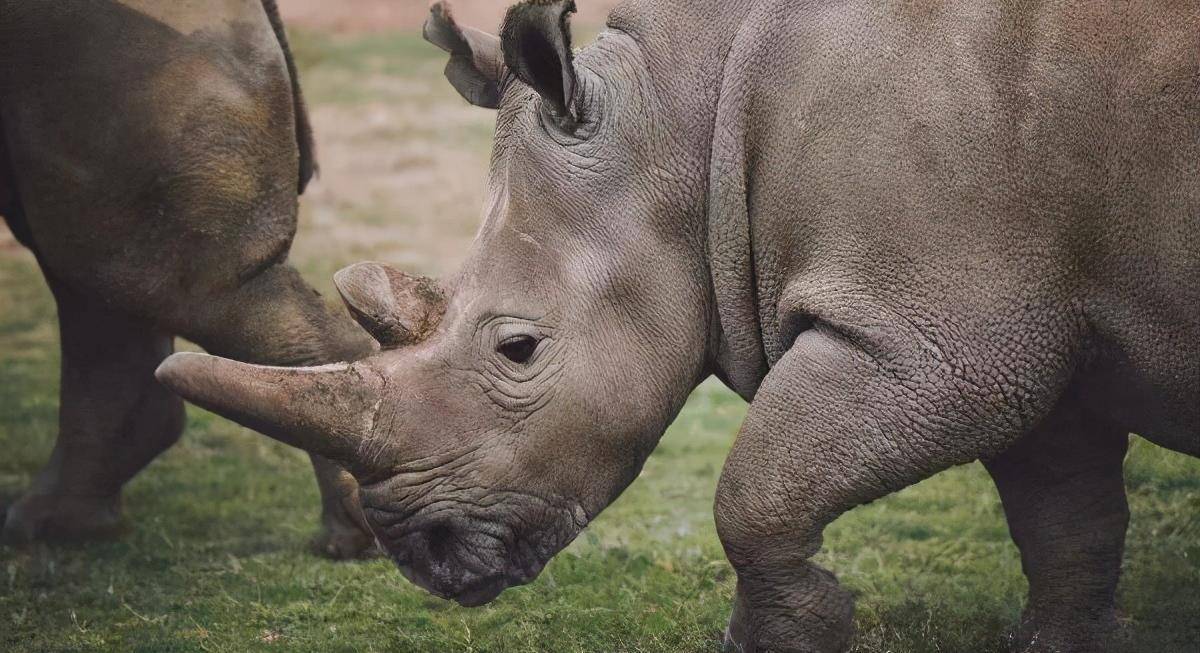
{"points": [[983, 162], [168, 127]]}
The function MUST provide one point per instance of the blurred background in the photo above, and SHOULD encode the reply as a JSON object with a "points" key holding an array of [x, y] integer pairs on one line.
{"points": [[215, 557], [403, 158]]}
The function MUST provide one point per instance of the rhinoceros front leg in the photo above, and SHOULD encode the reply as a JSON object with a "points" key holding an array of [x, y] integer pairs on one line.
{"points": [[113, 420], [833, 427], [1064, 495]]}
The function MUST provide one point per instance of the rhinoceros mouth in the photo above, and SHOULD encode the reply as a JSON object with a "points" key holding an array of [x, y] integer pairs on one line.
{"points": [[466, 564], [474, 593], [470, 555]]}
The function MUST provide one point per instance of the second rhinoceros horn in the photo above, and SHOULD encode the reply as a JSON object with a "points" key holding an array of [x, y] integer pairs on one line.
{"points": [[395, 307]]}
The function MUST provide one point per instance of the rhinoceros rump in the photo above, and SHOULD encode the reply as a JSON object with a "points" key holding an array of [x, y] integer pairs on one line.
{"points": [[150, 156], [913, 235]]}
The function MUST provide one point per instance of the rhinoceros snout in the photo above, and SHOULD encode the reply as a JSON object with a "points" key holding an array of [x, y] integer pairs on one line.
{"points": [[459, 563], [470, 546]]}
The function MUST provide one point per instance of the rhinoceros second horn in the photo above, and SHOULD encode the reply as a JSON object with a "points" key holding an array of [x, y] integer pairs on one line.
{"points": [[398, 309]]}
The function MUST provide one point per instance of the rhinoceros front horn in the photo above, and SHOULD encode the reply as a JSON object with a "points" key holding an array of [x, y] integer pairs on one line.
{"points": [[328, 410], [398, 309]]}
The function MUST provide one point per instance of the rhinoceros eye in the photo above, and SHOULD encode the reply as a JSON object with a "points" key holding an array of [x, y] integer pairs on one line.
{"points": [[518, 349]]}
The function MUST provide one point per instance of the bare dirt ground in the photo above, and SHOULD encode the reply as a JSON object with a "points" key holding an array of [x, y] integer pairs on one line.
{"points": [[403, 159], [386, 15]]}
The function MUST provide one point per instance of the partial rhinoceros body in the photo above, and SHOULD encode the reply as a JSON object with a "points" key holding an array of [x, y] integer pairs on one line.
{"points": [[150, 156], [913, 235]]}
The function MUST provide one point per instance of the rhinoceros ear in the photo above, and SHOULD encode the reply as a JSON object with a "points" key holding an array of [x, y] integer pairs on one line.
{"points": [[536, 38], [398, 309], [476, 64]]}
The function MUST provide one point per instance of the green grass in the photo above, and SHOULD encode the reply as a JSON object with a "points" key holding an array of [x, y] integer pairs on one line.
{"points": [[216, 556]]}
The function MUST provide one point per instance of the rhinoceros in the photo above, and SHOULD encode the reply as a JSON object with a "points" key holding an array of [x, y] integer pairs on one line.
{"points": [[911, 234], [151, 156]]}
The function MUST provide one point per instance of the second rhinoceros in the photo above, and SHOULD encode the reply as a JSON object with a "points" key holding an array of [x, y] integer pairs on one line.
{"points": [[913, 235]]}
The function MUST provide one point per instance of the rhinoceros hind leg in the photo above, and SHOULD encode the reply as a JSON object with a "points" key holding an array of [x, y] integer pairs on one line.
{"points": [[114, 418], [344, 533], [276, 318], [1063, 493]]}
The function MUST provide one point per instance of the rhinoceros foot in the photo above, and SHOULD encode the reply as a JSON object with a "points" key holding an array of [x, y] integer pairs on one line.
{"points": [[807, 612], [50, 517], [1044, 634], [341, 538]]}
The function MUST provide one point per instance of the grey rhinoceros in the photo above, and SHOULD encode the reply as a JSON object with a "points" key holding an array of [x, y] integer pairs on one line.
{"points": [[149, 156], [911, 234]]}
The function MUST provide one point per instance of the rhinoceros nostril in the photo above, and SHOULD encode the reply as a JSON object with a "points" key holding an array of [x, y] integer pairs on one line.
{"points": [[439, 541]]}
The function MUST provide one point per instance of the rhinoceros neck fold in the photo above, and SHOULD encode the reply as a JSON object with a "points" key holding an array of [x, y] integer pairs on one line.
{"points": [[689, 46], [737, 353]]}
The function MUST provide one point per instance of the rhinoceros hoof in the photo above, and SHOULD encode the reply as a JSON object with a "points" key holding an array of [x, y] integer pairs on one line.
{"points": [[1074, 635], [1048, 642], [49, 517], [738, 640], [342, 542], [810, 614]]}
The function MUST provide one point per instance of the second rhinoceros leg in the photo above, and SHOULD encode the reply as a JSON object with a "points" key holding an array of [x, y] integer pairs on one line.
{"points": [[113, 420], [344, 530], [276, 318], [833, 427], [1064, 495]]}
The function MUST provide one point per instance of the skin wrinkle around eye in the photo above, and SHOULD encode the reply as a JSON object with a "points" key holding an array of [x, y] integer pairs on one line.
{"points": [[548, 354], [432, 479], [439, 463], [514, 393], [525, 409], [511, 410], [520, 388], [510, 395], [406, 500]]}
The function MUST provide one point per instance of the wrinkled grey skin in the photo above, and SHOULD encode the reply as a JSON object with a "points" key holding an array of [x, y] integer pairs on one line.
{"points": [[149, 157], [913, 235]]}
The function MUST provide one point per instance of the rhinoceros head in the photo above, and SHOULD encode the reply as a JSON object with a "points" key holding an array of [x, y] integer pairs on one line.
{"points": [[509, 405]]}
